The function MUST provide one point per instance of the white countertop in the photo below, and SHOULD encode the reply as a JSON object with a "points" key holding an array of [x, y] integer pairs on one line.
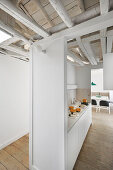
{"points": [[75, 118]]}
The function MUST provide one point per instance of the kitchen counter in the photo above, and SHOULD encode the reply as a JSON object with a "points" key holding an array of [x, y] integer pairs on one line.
{"points": [[78, 127], [72, 120]]}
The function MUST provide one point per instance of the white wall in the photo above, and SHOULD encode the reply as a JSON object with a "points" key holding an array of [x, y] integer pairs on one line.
{"points": [[71, 79], [108, 71], [71, 74], [49, 105], [84, 77], [97, 78], [14, 99], [83, 83]]}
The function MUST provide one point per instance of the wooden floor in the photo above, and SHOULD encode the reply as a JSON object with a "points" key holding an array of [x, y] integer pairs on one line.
{"points": [[96, 153], [16, 155]]}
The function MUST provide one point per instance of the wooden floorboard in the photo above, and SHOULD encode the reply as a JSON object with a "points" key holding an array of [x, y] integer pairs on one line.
{"points": [[16, 155], [96, 153]]}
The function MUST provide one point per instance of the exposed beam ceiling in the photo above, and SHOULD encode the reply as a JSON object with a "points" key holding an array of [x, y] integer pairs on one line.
{"points": [[10, 41], [84, 28], [15, 49], [86, 49], [58, 6], [76, 59], [9, 8], [90, 53], [12, 32], [44, 12]]}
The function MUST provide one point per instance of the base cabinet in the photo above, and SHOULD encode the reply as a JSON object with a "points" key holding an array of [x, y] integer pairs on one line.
{"points": [[76, 137]]}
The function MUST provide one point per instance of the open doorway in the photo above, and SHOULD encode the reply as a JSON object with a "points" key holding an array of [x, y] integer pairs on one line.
{"points": [[98, 93]]}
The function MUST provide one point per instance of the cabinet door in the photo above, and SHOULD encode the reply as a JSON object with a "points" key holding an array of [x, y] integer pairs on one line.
{"points": [[72, 146]]}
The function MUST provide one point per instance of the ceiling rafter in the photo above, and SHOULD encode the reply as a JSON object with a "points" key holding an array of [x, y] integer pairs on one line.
{"points": [[15, 49], [92, 25], [60, 9], [13, 32], [76, 58], [86, 49], [9, 8], [104, 8]]}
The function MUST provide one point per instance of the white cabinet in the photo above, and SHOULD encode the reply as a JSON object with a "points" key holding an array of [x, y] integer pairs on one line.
{"points": [[72, 146], [76, 136]]}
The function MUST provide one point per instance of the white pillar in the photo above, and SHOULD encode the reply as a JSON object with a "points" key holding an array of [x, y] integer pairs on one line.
{"points": [[49, 131]]}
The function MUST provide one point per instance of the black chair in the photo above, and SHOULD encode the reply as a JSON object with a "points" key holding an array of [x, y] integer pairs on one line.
{"points": [[105, 105], [94, 104]]}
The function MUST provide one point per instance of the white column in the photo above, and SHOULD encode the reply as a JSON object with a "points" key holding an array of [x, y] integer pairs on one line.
{"points": [[49, 108]]}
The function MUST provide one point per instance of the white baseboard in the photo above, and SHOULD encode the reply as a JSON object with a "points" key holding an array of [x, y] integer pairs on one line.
{"points": [[13, 140]]}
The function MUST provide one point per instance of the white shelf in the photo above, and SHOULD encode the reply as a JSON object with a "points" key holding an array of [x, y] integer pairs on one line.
{"points": [[71, 86]]}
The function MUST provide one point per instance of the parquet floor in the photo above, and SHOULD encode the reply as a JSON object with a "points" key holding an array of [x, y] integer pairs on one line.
{"points": [[16, 155], [96, 153]]}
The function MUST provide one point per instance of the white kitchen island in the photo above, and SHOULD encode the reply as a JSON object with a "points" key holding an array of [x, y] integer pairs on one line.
{"points": [[78, 127]]}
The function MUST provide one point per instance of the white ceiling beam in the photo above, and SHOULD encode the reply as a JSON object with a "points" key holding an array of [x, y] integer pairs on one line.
{"points": [[104, 8], [76, 59], [90, 52], [84, 28], [13, 32], [4, 53], [60, 9], [10, 41], [15, 49], [9, 8], [109, 44], [83, 49], [103, 40]]}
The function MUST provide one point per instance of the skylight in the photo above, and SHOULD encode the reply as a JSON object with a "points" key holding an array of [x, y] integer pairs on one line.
{"points": [[4, 36]]}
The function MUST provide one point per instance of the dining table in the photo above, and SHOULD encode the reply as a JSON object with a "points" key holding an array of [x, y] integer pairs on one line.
{"points": [[98, 98]]}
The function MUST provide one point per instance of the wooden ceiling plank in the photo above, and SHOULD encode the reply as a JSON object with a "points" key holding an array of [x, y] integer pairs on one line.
{"points": [[44, 13], [9, 8]]}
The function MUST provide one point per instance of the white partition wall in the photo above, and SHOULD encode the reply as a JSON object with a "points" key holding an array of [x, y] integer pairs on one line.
{"points": [[108, 71], [49, 108]]}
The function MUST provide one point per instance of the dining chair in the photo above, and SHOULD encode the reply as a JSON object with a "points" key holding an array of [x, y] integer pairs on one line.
{"points": [[94, 104], [104, 105]]}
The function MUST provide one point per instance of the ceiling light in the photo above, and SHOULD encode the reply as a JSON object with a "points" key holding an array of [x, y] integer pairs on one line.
{"points": [[70, 58], [4, 36]]}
